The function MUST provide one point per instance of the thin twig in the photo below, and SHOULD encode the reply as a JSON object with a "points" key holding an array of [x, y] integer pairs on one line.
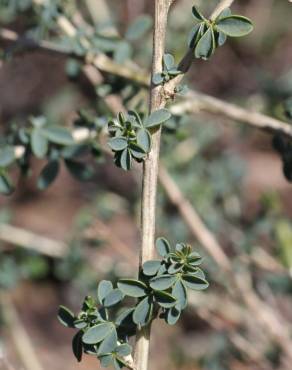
{"points": [[192, 102], [223, 4], [19, 335], [150, 173]]}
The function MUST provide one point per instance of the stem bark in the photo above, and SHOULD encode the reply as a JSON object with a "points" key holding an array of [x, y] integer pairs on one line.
{"points": [[150, 173]]}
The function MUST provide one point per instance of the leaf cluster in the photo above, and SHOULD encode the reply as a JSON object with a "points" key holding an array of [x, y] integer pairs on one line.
{"points": [[49, 142], [169, 71], [131, 136], [208, 34], [161, 291]]}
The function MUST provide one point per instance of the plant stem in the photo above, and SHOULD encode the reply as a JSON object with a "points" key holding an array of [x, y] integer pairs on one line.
{"points": [[150, 173]]}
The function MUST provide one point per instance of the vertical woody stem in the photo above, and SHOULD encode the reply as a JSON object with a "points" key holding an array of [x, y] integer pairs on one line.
{"points": [[150, 173]]}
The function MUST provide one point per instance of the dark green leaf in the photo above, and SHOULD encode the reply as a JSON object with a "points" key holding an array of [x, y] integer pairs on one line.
{"points": [[144, 140], [132, 288], [125, 319], [164, 299], [205, 45], [123, 350], [139, 27], [157, 118], [104, 288], [80, 171], [137, 151], [113, 298], [39, 143], [195, 282], [126, 160], [109, 343], [174, 268], [48, 175], [118, 364], [162, 247], [193, 36], [58, 135], [97, 333], [162, 282], [197, 14], [172, 315], [234, 26], [77, 345], [143, 312], [150, 268], [66, 317], [180, 293], [118, 143]]}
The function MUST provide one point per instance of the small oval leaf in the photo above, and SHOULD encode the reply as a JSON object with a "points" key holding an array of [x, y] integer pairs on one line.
{"points": [[234, 26]]}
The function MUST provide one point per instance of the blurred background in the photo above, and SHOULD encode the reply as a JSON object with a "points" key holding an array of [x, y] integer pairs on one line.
{"points": [[55, 245]]}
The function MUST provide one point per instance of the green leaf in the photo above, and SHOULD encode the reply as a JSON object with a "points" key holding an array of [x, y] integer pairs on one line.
{"points": [[6, 186], [66, 317], [174, 268], [150, 268], [58, 135], [104, 288], [80, 171], [126, 160], [135, 118], [194, 35], [125, 319], [137, 151], [221, 38], [109, 343], [143, 312], [139, 27], [118, 363], [124, 350], [80, 324], [132, 288], [157, 78], [106, 360], [118, 143], [157, 118], [7, 156], [205, 45], [164, 299], [225, 13], [48, 175], [197, 14], [113, 298], [162, 282], [77, 345], [195, 282], [97, 333], [172, 315], [168, 61], [123, 52], [39, 143], [234, 26], [144, 140], [180, 293], [162, 247]]}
